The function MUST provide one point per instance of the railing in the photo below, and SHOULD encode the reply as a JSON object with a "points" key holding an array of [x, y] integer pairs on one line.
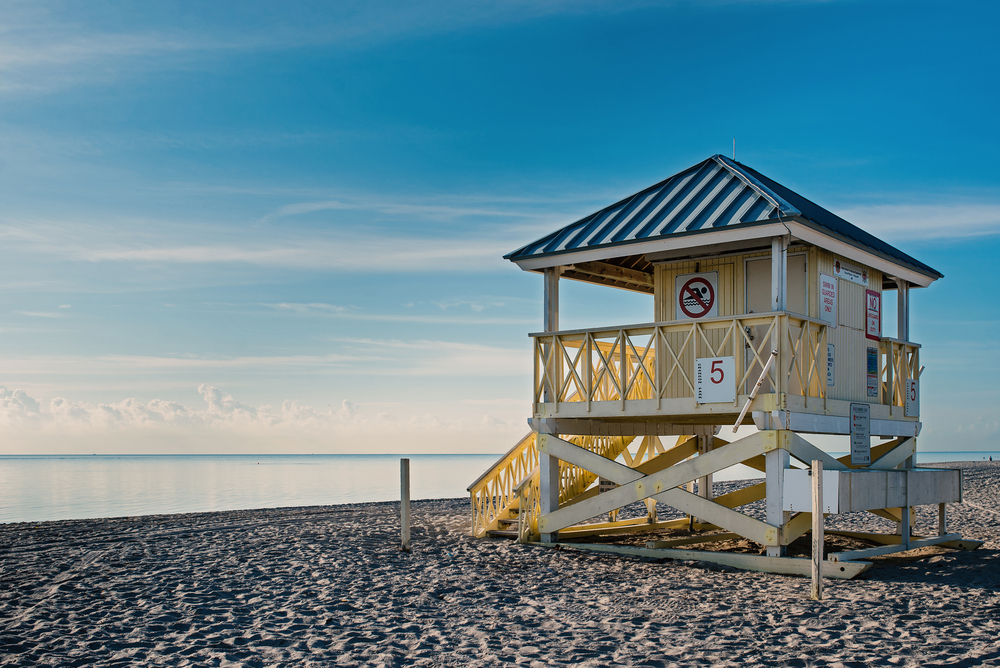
{"points": [[899, 361], [494, 491], [657, 361]]}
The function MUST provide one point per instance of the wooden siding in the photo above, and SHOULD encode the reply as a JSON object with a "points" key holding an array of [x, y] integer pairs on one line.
{"points": [[850, 344]]}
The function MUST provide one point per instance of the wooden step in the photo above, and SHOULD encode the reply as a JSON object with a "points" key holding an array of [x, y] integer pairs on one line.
{"points": [[501, 533], [507, 523]]}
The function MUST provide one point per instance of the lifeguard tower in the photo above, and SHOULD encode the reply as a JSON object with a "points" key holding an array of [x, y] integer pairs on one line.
{"points": [[752, 286]]}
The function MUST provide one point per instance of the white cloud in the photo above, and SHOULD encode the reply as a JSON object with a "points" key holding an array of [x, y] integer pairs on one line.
{"points": [[42, 314], [935, 220], [348, 426], [375, 251]]}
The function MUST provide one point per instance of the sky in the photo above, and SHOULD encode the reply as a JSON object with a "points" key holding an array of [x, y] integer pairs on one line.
{"points": [[279, 227]]}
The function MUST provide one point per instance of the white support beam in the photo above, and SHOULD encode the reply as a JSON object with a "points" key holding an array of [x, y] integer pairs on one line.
{"points": [[779, 272], [548, 466], [550, 299], [548, 488], [732, 454], [844, 570], [713, 513], [896, 456], [902, 310], [775, 464]]}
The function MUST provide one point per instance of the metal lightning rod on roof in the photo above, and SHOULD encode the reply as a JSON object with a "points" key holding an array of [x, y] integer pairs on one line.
{"points": [[753, 392]]}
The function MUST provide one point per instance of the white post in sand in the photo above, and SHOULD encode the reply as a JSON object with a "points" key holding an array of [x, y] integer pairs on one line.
{"points": [[817, 530], [404, 506]]}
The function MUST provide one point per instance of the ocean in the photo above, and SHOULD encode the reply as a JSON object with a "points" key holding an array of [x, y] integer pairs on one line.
{"points": [[36, 488]]}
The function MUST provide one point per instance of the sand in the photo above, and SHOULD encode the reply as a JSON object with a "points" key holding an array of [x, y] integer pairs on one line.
{"points": [[327, 586]]}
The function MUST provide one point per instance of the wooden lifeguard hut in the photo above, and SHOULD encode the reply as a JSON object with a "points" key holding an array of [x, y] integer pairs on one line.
{"points": [[752, 285]]}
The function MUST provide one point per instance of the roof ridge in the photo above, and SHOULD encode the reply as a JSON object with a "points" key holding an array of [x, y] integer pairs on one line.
{"points": [[779, 203]]}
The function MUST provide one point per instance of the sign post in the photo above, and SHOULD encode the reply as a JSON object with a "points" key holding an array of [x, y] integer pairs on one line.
{"points": [[817, 529], [861, 434], [404, 505]]}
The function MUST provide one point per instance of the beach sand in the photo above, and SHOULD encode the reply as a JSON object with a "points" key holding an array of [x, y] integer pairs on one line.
{"points": [[327, 586]]}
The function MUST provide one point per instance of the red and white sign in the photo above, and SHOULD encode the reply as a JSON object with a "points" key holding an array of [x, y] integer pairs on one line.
{"points": [[697, 296], [715, 380], [911, 407], [828, 299], [873, 321]]}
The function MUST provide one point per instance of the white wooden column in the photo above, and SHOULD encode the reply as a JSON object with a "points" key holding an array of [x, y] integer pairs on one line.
{"points": [[902, 310], [775, 464], [705, 482], [779, 272], [548, 466]]}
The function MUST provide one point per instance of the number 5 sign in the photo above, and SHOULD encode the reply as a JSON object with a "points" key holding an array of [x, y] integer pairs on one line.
{"points": [[912, 406], [715, 380]]}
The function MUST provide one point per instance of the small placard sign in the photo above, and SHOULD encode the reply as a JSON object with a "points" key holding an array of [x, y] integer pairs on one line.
{"points": [[830, 365], [873, 372], [849, 272], [715, 379], [605, 485], [912, 406], [861, 434]]}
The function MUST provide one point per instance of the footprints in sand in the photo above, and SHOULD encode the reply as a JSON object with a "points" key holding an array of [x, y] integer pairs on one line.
{"points": [[329, 586]]}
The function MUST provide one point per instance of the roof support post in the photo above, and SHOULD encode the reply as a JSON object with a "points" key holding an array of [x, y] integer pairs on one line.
{"points": [[779, 272], [550, 300], [902, 310]]}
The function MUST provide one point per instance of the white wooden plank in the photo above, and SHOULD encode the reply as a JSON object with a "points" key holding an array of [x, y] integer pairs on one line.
{"points": [[866, 553], [896, 456], [707, 510], [844, 570], [724, 457]]}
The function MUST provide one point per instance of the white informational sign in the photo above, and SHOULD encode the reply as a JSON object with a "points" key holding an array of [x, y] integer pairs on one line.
{"points": [[715, 380], [912, 406], [797, 486], [605, 485], [830, 363], [828, 299], [873, 319], [849, 272], [697, 296], [872, 373], [861, 434]]}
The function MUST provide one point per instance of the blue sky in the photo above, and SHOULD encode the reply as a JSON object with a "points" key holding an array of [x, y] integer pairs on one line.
{"points": [[278, 227]]}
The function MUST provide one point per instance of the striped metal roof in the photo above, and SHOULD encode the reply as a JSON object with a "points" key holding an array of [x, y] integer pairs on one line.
{"points": [[715, 193]]}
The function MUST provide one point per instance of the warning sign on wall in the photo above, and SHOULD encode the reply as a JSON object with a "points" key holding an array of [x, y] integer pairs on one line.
{"points": [[828, 299], [697, 296], [873, 321], [849, 272]]}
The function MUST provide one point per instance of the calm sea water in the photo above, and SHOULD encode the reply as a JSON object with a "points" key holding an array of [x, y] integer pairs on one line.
{"points": [[35, 488], [41, 487]]}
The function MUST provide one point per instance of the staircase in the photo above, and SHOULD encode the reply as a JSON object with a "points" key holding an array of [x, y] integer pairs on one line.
{"points": [[497, 494]]}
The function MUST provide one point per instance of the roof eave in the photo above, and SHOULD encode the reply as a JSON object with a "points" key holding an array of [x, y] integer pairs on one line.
{"points": [[693, 239], [817, 235]]}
